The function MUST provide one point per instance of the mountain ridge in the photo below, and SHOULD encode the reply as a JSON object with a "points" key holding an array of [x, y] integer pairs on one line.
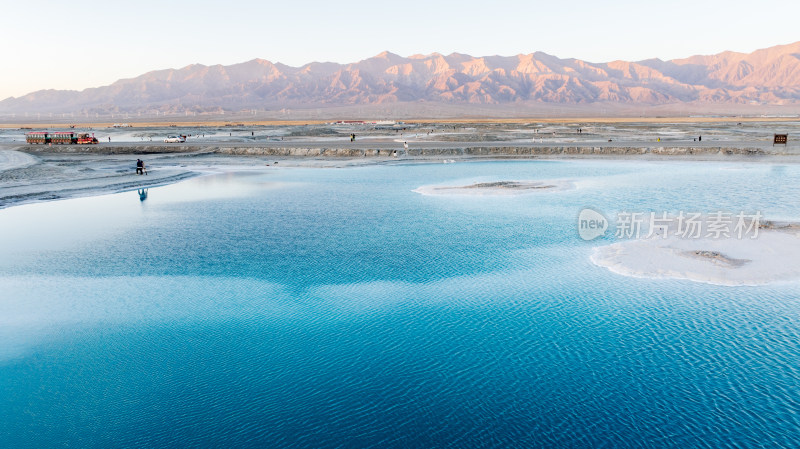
{"points": [[769, 76]]}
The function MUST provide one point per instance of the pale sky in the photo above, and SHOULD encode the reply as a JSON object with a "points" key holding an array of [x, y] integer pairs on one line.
{"points": [[78, 44]]}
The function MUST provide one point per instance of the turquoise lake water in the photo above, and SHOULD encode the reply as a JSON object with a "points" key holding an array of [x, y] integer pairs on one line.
{"points": [[316, 308]]}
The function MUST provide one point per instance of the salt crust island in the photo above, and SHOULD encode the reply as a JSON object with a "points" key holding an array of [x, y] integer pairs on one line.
{"points": [[770, 257]]}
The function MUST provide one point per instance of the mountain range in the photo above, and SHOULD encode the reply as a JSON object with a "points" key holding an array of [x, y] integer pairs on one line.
{"points": [[769, 76]]}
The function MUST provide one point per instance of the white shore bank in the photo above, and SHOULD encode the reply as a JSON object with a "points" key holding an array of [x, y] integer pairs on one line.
{"points": [[770, 257]]}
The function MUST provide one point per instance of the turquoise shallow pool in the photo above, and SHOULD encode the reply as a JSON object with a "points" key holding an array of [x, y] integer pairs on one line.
{"points": [[337, 308]]}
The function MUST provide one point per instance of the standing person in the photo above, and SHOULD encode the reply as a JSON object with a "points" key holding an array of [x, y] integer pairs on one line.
{"points": [[139, 167], [109, 138], [700, 138]]}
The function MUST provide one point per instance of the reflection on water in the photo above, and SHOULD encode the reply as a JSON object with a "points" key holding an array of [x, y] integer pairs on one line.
{"points": [[142, 194]]}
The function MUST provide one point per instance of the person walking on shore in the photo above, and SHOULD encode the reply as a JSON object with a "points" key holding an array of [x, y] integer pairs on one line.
{"points": [[140, 170]]}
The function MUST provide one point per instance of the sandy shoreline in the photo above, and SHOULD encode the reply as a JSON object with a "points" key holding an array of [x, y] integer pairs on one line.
{"points": [[38, 173], [27, 177], [392, 148]]}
